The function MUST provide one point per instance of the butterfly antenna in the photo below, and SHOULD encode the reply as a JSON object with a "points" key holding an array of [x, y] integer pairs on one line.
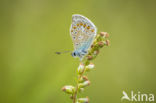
{"points": [[58, 53], [62, 52]]}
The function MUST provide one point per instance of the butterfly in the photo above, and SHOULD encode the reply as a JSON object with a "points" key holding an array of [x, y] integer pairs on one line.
{"points": [[82, 32]]}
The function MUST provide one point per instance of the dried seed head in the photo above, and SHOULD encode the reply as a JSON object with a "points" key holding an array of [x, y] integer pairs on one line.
{"points": [[89, 57], [96, 52], [80, 68], [90, 67], [107, 42], [92, 45], [82, 79], [81, 89], [101, 44], [84, 84], [85, 78], [63, 89], [68, 89], [104, 34], [83, 100], [71, 97]]}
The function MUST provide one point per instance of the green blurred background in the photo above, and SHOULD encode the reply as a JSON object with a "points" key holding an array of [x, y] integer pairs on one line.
{"points": [[32, 30]]}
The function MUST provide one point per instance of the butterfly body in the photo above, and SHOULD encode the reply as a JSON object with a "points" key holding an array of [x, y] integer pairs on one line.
{"points": [[83, 32]]}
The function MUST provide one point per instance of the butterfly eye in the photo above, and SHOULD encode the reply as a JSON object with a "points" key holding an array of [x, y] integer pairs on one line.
{"points": [[73, 54]]}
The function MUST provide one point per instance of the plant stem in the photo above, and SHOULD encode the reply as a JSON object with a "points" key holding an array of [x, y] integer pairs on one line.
{"points": [[76, 90], [75, 94]]}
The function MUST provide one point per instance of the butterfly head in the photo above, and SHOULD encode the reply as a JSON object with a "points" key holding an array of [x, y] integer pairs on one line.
{"points": [[75, 54], [79, 54]]}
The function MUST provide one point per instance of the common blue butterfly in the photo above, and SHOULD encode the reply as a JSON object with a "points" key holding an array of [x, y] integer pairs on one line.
{"points": [[83, 32]]}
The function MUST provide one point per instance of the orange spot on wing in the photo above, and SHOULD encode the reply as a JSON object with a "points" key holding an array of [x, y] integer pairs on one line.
{"points": [[88, 27], [84, 25], [74, 27], [81, 24], [92, 30]]}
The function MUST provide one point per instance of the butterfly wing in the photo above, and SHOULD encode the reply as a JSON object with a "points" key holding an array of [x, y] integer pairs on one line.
{"points": [[82, 31]]}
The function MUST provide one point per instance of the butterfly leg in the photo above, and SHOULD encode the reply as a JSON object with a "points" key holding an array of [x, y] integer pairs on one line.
{"points": [[83, 53]]}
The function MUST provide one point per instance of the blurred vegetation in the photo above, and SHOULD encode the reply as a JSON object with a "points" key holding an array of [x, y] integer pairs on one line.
{"points": [[32, 30]]}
